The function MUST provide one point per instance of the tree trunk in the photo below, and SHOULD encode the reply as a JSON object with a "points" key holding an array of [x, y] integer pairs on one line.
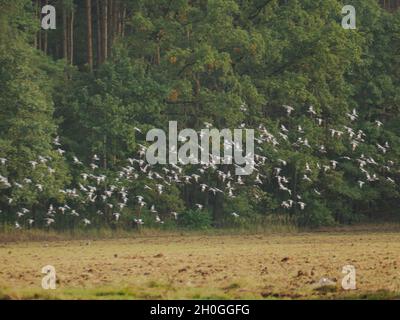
{"points": [[105, 31], [45, 35], [40, 36], [99, 37], [123, 20], [89, 34], [111, 6], [115, 19], [37, 16], [45, 42], [65, 34], [119, 19], [71, 37]]}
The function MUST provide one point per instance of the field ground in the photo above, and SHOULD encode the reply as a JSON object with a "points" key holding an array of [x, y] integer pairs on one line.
{"points": [[205, 267]]}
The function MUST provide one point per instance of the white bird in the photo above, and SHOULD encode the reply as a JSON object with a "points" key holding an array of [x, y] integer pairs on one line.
{"points": [[208, 125], [62, 209], [196, 177], [77, 161], [283, 162], [283, 128], [381, 148], [390, 179], [235, 215], [49, 221], [117, 216], [175, 215], [139, 221], [43, 159], [285, 205], [282, 187], [33, 164], [353, 116], [284, 136], [230, 193], [121, 205], [354, 144], [322, 149], [288, 109], [51, 209], [302, 205], [158, 220], [6, 183], [56, 141], [74, 213], [160, 188], [311, 110]]}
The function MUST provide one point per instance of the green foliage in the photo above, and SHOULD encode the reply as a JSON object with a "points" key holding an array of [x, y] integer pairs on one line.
{"points": [[226, 62], [195, 219], [27, 126], [316, 215]]}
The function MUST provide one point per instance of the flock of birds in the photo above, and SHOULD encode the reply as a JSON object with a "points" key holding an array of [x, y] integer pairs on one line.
{"points": [[108, 196]]}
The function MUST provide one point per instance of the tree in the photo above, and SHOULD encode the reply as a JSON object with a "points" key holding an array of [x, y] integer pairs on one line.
{"points": [[27, 126]]}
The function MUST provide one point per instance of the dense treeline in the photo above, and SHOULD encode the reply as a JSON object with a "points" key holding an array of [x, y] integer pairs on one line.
{"points": [[76, 103]]}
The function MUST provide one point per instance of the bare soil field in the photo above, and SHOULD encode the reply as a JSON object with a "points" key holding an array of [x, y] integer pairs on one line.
{"points": [[205, 267]]}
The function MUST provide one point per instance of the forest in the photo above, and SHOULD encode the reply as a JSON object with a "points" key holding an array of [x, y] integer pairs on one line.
{"points": [[76, 103]]}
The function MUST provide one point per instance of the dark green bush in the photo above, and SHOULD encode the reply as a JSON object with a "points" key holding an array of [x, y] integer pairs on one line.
{"points": [[195, 219]]}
